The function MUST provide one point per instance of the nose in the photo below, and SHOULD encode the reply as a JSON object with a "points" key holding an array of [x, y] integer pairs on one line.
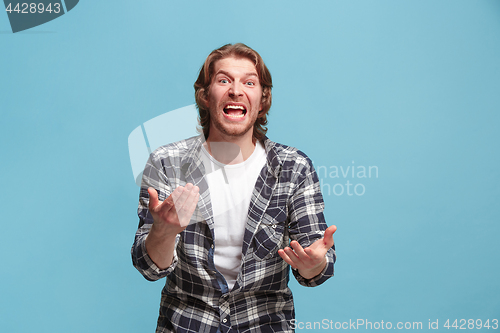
{"points": [[235, 89]]}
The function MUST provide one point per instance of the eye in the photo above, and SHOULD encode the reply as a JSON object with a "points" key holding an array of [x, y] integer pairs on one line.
{"points": [[250, 83], [223, 81]]}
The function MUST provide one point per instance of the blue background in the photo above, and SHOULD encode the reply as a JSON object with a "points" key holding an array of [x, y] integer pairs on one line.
{"points": [[411, 87]]}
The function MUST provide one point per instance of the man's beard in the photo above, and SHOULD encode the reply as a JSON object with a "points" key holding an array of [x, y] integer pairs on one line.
{"points": [[229, 129], [235, 132]]}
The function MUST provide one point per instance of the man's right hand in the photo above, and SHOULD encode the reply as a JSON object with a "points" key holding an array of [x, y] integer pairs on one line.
{"points": [[175, 212], [170, 218]]}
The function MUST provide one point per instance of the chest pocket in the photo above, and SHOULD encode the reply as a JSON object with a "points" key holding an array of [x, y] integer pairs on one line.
{"points": [[270, 236]]}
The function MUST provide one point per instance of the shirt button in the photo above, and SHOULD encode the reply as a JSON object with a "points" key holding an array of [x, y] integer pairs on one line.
{"points": [[212, 246], [274, 226], [224, 320]]}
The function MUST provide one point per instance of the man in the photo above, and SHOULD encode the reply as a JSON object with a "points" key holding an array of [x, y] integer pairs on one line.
{"points": [[217, 212]]}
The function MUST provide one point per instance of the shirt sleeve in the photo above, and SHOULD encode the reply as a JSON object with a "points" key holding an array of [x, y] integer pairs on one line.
{"points": [[153, 176], [307, 222]]}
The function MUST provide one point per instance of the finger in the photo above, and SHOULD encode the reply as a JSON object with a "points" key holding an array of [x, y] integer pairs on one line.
{"points": [[167, 204], [163, 209], [191, 195], [299, 250], [328, 236], [182, 193], [285, 257], [183, 197], [180, 196], [177, 194], [159, 208], [153, 198], [293, 256], [315, 254], [330, 230], [192, 201], [187, 211], [308, 255]]}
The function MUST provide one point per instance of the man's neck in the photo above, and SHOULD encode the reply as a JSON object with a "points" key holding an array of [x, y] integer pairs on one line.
{"points": [[231, 150]]}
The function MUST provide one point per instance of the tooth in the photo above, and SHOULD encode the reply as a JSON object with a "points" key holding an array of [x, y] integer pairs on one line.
{"points": [[235, 107]]}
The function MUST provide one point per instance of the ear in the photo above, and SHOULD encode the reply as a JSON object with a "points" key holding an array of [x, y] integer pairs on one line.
{"points": [[261, 107]]}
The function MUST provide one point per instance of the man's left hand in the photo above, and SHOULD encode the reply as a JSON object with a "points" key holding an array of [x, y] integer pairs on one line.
{"points": [[309, 261]]}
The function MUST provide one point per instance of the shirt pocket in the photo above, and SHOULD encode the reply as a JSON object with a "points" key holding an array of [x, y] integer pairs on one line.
{"points": [[269, 237]]}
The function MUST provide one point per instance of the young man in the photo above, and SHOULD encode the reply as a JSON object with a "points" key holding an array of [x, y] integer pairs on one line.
{"points": [[224, 215]]}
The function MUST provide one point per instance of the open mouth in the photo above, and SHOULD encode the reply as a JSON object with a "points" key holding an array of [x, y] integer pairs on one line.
{"points": [[235, 111]]}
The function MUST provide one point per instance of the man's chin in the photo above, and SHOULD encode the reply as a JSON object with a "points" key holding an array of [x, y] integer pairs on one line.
{"points": [[234, 131]]}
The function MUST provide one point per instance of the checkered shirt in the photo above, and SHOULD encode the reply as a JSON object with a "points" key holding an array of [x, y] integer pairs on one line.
{"points": [[286, 204]]}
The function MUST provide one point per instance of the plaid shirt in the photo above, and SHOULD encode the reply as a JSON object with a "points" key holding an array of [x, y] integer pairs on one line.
{"points": [[286, 204]]}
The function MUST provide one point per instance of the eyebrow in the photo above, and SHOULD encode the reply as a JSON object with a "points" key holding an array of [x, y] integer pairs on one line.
{"points": [[227, 73]]}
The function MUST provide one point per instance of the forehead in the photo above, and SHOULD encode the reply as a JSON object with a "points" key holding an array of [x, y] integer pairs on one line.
{"points": [[235, 65]]}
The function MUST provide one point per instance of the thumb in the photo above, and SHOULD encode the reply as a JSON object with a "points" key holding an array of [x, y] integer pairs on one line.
{"points": [[328, 236], [153, 198]]}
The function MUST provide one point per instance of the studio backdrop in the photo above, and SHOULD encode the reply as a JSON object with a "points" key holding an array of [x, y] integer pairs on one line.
{"points": [[395, 102]]}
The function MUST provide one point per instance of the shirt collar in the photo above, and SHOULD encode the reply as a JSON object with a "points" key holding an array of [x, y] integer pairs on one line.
{"points": [[191, 161], [274, 162]]}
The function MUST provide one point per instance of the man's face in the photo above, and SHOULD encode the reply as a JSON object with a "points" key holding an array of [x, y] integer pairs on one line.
{"points": [[234, 99]]}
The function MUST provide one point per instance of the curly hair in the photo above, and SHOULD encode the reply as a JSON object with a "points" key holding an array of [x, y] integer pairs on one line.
{"points": [[202, 85]]}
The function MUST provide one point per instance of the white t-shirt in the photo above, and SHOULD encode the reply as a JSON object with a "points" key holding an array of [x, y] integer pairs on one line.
{"points": [[231, 187]]}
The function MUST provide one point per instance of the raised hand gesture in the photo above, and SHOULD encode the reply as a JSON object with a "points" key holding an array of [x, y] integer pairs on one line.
{"points": [[170, 218], [311, 260]]}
